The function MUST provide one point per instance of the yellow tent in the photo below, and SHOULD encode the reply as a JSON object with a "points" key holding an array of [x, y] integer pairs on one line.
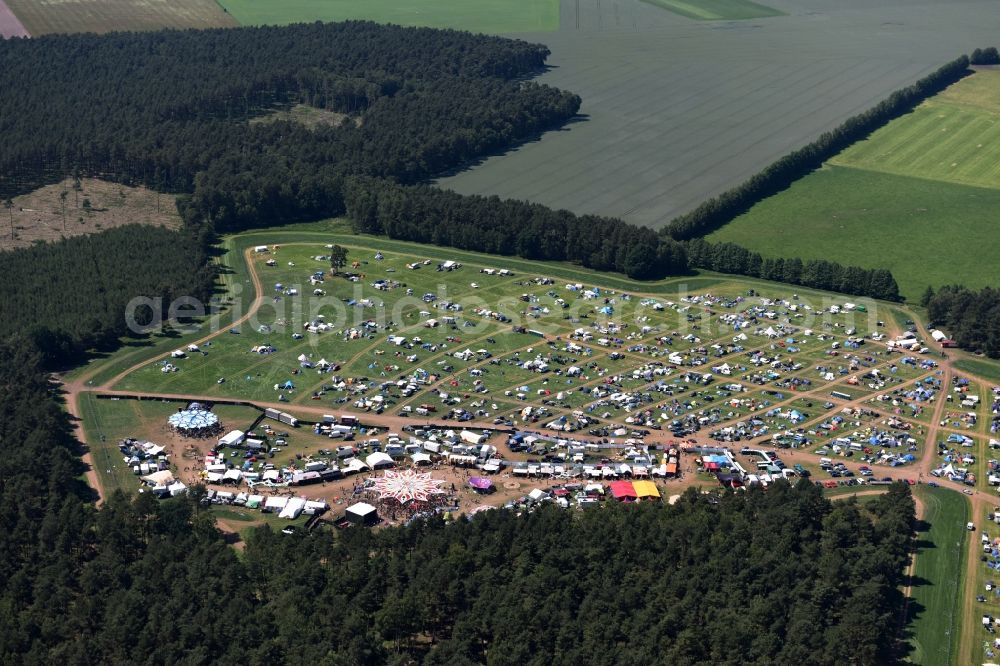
{"points": [[645, 489]]}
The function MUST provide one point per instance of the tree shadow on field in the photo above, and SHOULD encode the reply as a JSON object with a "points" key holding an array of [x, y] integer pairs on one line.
{"points": [[513, 148]]}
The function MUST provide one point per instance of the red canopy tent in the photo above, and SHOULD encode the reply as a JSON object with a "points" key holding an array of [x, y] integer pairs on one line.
{"points": [[623, 491]]}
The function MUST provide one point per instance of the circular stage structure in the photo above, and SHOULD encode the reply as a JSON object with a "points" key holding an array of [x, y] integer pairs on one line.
{"points": [[194, 423]]}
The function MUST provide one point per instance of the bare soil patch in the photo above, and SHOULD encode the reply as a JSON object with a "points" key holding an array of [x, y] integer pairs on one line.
{"points": [[62, 210]]}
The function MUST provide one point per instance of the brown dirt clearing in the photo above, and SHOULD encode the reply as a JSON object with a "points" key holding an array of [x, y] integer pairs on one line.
{"points": [[40, 216]]}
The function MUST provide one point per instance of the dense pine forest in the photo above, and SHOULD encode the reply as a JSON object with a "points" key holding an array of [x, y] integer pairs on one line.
{"points": [[972, 318], [69, 297], [170, 110], [783, 576]]}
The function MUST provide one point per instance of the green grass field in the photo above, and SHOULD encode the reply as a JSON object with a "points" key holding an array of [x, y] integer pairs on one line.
{"points": [[490, 16], [924, 231], [716, 10], [939, 572], [953, 137], [918, 197], [986, 368]]}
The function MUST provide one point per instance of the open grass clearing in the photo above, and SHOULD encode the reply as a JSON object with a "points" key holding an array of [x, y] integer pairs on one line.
{"points": [[43, 17], [490, 16], [306, 115], [935, 609], [716, 10], [986, 368], [926, 232]]}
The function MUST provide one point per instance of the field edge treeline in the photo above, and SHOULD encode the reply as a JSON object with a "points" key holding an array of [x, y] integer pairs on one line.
{"points": [[777, 176]]}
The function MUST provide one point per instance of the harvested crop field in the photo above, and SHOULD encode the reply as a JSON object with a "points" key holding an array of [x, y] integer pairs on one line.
{"points": [[42, 17], [97, 206], [677, 110]]}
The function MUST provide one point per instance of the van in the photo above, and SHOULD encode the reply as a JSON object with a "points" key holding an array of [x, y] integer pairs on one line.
{"points": [[827, 461]]}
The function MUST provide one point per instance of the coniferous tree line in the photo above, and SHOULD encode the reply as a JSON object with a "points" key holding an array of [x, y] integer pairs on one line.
{"points": [[511, 228], [783, 576], [720, 210], [814, 273], [67, 297], [987, 56], [971, 318]]}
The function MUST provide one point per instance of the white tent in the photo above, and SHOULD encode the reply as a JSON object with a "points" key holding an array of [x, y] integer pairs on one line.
{"points": [[154, 449], [316, 506], [232, 438], [161, 478], [538, 494], [275, 503], [176, 488], [354, 466], [421, 459], [293, 508], [379, 459]]}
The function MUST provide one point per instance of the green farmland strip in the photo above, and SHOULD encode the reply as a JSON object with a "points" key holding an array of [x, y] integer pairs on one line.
{"points": [[926, 232], [490, 16], [716, 10]]}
